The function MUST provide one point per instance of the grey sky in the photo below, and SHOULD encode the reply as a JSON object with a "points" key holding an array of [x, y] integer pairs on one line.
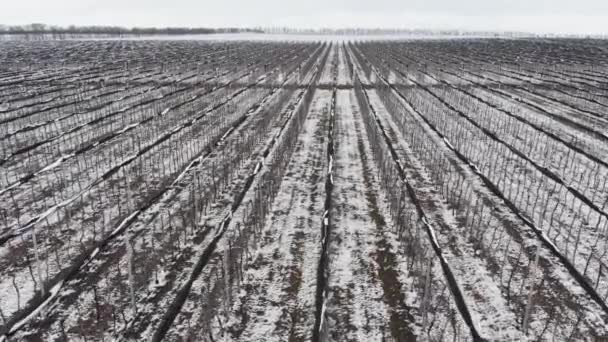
{"points": [[559, 16]]}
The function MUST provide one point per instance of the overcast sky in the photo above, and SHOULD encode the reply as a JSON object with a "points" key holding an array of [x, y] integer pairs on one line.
{"points": [[557, 16]]}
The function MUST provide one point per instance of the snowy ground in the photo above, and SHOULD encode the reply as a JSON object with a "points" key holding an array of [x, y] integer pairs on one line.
{"points": [[337, 191]]}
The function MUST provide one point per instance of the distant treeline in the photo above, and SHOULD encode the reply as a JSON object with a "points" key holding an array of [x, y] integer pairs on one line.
{"points": [[41, 31], [389, 31], [422, 32], [44, 32]]}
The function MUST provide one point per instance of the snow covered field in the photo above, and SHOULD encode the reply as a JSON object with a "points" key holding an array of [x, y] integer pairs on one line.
{"points": [[323, 189]]}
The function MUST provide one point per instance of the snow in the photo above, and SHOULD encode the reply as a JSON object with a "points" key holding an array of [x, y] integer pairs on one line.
{"points": [[52, 293], [293, 232], [355, 308], [259, 281], [488, 284]]}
